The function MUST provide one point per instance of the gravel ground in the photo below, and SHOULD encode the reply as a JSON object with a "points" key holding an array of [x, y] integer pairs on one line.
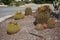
{"points": [[26, 28]]}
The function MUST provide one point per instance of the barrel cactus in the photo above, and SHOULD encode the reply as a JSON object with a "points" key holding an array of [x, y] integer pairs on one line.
{"points": [[28, 11], [42, 15], [44, 8], [39, 27], [12, 28], [51, 23], [18, 15]]}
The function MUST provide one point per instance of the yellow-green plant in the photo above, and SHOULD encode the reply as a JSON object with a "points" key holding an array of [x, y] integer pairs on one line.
{"points": [[28, 11], [18, 15], [12, 28]]}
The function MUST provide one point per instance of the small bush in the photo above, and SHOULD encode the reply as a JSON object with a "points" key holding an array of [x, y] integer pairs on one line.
{"points": [[28, 11], [18, 15], [12, 28]]}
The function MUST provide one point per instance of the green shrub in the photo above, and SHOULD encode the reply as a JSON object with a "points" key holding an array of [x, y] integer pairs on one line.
{"points": [[39, 1], [12, 28], [28, 11], [6, 2], [18, 15]]}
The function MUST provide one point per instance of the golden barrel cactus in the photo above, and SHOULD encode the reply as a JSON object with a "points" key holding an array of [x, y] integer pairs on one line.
{"points": [[28, 11], [18, 15], [12, 27]]}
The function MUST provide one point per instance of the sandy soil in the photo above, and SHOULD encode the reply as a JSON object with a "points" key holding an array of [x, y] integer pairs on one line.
{"points": [[26, 27]]}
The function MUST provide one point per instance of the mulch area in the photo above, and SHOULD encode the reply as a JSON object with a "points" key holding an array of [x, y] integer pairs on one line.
{"points": [[26, 28]]}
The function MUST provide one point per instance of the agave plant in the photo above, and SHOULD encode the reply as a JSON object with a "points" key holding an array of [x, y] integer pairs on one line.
{"points": [[18, 15], [12, 27]]}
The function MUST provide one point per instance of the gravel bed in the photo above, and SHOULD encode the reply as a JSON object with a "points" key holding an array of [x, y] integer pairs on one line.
{"points": [[27, 27]]}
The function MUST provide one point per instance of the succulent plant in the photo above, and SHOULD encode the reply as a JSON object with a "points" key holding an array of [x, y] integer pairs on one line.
{"points": [[18, 15], [48, 9], [42, 15], [12, 28], [42, 18], [43, 9], [39, 27], [51, 23], [28, 11]]}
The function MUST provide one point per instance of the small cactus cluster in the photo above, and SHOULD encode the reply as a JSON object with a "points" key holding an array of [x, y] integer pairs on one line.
{"points": [[18, 15], [12, 27], [28, 11], [50, 24], [43, 18], [41, 26]]}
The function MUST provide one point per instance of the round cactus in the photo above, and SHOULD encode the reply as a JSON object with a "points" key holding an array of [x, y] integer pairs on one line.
{"points": [[12, 28], [28, 11], [18, 15], [39, 27], [51, 23]]}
